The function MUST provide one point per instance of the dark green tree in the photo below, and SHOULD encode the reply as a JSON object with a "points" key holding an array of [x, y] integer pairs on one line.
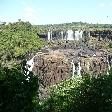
{"points": [[18, 91]]}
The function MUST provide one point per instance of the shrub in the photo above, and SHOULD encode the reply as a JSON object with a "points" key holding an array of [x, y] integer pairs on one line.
{"points": [[16, 93], [81, 95]]}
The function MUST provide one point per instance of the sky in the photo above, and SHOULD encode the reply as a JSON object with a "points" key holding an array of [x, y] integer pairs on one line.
{"points": [[56, 11]]}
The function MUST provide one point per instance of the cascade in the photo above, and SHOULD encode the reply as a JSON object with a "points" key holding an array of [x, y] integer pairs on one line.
{"points": [[70, 35], [77, 35], [80, 34], [48, 35], [79, 69], [62, 35], [73, 68]]}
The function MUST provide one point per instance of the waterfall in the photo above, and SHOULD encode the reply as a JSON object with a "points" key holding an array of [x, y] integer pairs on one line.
{"points": [[77, 35], [62, 35], [108, 66], [79, 69], [88, 64], [49, 35], [80, 34], [73, 68], [30, 63], [108, 63], [70, 35]]}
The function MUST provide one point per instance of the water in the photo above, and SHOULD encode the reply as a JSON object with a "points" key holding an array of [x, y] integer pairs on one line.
{"points": [[62, 35], [79, 69], [30, 64], [77, 35], [73, 68], [48, 35], [80, 34], [51, 35], [70, 35], [109, 67], [88, 64]]}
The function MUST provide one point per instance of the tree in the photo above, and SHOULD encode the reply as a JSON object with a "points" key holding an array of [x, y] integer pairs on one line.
{"points": [[16, 39], [17, 94]]}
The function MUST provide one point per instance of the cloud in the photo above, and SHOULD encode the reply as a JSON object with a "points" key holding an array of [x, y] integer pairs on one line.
{"points": [[30, 14]]}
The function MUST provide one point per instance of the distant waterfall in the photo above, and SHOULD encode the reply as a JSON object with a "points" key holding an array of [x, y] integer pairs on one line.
{"points": [[77, 35], [108, 66], [30, 63], [76, 69], [80, 34], [49, 35], [62, 35], [79, 69], [70, 35], [73, 68]]}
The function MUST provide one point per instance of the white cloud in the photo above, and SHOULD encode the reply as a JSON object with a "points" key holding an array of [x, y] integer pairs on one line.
{"points": [[30, 14]]}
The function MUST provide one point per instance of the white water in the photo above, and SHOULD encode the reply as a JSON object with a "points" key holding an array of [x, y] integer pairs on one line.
{"points": [[30, 63], [77, 35], [70, 35], [80, 34], [73, 68], [108, 66], [51, 36], [62, 35], [79, 69], [48, 35], [88, 64]]}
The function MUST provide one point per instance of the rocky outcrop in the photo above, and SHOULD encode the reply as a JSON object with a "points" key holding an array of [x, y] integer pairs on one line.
{"points": [[51, 67], [58, 65]]}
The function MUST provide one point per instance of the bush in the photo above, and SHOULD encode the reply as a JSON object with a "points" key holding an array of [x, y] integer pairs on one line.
{"points": [[16, 93], [110, 45], [16, 39], [81, 95]]}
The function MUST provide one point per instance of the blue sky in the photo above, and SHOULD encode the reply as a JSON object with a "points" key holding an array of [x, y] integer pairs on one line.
{"points": [[56, 11]]}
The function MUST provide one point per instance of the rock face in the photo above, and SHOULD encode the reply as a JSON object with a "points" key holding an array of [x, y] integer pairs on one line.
{"points": [[51, 67], [55, 66]]}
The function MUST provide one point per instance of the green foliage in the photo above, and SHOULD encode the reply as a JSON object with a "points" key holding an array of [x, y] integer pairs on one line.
{"points": [[16, 39], [74, 25], [16, 93], [110, 45], [81, 95]]}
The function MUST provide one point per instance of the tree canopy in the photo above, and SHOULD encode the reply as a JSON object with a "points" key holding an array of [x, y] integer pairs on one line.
{"points": [[16, 39]]}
